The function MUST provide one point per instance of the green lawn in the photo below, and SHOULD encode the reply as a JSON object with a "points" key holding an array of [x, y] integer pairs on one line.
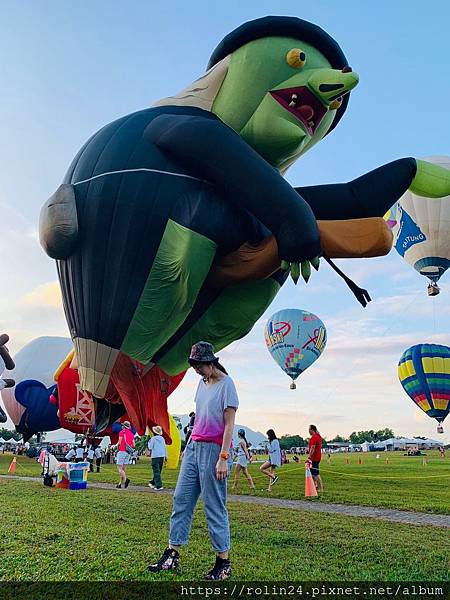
{"points": [[404, 483], [92, 535]]}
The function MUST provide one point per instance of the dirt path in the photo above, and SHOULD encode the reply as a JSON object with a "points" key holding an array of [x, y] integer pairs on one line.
{"points": [[368, 512]]}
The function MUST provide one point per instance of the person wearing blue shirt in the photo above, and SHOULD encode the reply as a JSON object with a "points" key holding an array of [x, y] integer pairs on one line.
{"points": [[158, 454]]}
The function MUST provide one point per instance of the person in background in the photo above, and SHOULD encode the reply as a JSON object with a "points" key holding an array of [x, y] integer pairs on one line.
{"points": [[79, 453], [158, 454], [269, 467], [71, 454], [90, 458], [189, 427], [230, 461], [125, 447], [204, 468], [315, 455], [243, 460], [98, 457]]}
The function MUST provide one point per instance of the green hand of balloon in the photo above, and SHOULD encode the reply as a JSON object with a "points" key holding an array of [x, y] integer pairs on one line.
{"points": [[304, 268], [430, 181]]}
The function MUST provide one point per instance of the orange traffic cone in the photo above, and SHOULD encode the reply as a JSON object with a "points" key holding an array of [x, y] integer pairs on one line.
{"points": [[12, 466], [387, 461], [359, 461], [310, 488], [347, 461]]}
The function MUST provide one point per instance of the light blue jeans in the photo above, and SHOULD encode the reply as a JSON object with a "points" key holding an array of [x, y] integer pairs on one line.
{"points": [[198, 478]]}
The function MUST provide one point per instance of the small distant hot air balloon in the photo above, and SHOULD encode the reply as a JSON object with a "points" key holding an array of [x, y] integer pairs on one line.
{"points": [[295, 339], [421, 229], [424, 372]]}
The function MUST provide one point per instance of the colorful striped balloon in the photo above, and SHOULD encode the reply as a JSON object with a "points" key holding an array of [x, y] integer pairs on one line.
{"points": [[424, 372]]}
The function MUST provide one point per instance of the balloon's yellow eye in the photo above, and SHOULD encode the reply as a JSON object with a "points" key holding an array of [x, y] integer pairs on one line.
{"points": [[296, 58], [336, 104]]}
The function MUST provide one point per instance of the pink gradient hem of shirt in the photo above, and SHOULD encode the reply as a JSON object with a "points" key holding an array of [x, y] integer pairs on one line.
{"points": [[213, 440]]}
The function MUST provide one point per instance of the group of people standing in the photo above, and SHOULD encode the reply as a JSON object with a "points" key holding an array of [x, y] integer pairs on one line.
{"points": [[91, 453]]}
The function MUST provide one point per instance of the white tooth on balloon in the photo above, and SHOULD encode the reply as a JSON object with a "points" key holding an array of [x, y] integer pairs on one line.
{"points": [[292, 103]]}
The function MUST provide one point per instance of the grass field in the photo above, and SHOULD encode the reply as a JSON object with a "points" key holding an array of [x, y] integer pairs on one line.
{"points": [[59, 535], [405, 483]]}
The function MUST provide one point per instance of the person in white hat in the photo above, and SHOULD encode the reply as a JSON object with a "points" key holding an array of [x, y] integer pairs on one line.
{"points": [[158, 454], [204, 469]]}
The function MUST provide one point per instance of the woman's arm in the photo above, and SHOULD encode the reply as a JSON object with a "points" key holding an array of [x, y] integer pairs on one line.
{"points": [[229, 418]]}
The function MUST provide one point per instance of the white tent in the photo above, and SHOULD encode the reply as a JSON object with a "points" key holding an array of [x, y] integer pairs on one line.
{"points": [[403, 443], [366, 446]]}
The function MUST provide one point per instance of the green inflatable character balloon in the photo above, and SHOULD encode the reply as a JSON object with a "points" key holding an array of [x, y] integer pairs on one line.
{"points": [[158, 202]]}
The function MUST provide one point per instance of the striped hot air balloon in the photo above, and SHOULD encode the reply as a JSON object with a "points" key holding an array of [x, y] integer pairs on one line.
{"points": [[424, 372]]}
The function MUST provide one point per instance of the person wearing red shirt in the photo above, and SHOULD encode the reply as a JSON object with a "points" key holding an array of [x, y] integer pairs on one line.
{"points": [[315, 455]]}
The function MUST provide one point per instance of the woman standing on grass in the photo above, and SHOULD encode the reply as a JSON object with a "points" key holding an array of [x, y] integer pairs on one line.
{"points": [[243, 460], [269, 467], [204, 466], [125, 444]]}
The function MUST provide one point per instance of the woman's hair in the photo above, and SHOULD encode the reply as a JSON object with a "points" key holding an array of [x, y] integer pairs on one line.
{"points": [[271, 435], [220, 367], [242, 436], [313, 427]]}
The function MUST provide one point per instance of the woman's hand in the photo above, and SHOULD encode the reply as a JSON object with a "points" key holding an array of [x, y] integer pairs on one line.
{"points": [[221, 469]]}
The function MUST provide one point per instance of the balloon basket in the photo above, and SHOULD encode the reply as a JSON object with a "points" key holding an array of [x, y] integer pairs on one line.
{"points": [[78, 474], [440, 429], [293, 386], [433, 289]]}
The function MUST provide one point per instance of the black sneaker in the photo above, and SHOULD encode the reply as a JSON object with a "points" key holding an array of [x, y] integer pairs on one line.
{"points": [[274, 480], [118, 486], [221, 570], [127, 482], [170, 560]]}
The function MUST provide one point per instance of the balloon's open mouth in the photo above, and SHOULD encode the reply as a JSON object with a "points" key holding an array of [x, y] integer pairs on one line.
{"points": [[303, 104]]}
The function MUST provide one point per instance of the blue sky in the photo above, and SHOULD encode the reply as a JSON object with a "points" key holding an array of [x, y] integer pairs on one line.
{"points": [[69, 68]]}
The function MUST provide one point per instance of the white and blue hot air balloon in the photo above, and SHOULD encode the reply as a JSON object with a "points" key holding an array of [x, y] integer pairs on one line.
{"points": [[421, 228], [295, 338]]}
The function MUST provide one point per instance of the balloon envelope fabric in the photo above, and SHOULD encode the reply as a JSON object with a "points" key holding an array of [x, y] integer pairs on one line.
{"points": [[424, 372], [422, 230], [295, 339]]}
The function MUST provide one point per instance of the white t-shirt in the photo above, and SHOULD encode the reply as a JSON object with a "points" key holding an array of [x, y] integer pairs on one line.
{"points": [[275, 453], [90, 454], [70, 454], [157, 445], [98, 452], [210, 404], [79, 452]]}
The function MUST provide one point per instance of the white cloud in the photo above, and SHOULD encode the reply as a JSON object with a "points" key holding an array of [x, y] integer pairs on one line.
{"points": [[47, 294]]}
